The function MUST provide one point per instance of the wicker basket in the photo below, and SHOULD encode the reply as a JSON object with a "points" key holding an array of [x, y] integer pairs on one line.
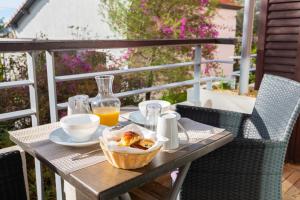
{"points": [[128, 160]]}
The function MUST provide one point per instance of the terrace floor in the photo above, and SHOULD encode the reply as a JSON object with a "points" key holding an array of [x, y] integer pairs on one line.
{"points": [[291, 182], [158, 189]]}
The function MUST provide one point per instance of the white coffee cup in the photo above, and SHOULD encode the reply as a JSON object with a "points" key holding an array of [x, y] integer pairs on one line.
{"points": [[167, 126]]}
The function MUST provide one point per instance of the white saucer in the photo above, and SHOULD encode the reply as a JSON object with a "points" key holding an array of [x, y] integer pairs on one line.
{"points": [[58, 136], [138, 118]]}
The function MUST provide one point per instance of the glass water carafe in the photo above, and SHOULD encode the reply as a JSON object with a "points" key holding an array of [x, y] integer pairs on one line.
{"points": [[105, 104]]}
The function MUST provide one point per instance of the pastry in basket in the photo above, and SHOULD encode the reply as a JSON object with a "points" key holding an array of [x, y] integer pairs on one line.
{"points": [[146, 143], [129, 138], [131, 147], [143, 144]]}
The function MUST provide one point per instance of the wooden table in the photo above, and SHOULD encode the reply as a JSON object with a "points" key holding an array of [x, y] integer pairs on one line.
{"points": [[103, 181]]}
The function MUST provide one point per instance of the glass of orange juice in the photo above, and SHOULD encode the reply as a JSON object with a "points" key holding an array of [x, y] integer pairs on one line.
{"points": [[105, 104], [109, 116]]}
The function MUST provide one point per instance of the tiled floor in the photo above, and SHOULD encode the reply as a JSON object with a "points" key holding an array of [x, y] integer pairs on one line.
{"points": [[291, 182]]}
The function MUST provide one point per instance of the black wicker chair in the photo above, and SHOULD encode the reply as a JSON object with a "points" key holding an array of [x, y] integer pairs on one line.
{"points": [[12, 185], [250, 167]]}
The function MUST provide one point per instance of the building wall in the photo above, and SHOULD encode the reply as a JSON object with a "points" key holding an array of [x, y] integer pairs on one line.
{"points": [[225, 20], [56, 17]]}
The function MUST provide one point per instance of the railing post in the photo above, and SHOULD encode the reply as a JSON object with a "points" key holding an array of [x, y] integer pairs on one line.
{"points": [[197, 73], [59, 185], [30, 58], [51, 86], [39, 179], [209, 85], [53, 112], [249, 9]]}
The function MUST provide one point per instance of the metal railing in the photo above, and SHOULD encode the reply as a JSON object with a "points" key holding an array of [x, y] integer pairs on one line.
{"points": [[31, 83], [50, 46]]}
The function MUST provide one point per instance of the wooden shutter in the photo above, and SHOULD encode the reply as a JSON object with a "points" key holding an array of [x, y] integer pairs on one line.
{"points": [[278, 50]]}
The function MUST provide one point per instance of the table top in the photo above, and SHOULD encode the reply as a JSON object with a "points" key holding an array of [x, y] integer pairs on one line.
{"points": [[103, 181]]}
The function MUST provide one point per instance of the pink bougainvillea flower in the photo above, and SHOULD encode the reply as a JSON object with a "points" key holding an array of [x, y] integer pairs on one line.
{"points": [[169, 19], [127, 54], [203, 2], [87, 67], [74, 61], [157, 21], [206, 70], [167, 30], [143, 6], [183, 22]]}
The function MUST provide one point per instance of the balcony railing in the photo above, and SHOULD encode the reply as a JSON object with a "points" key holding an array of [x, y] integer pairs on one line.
{"points": [[50, 46]]}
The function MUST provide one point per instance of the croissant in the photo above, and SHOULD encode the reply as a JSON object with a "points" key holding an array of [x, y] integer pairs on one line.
{"points": [[129, 138]]}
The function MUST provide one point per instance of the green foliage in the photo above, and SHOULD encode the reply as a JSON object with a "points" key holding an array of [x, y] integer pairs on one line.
{"points": [[4, 136], [136, 19], [156, 19], [1, 25], [1, 68], [144, 19], [15, 68], [174, 97], [251, 78], [49, 180], [4, 32], [224, 85]]}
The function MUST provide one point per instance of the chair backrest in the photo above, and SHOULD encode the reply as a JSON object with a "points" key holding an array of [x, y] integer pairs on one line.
{"points": [[276, 109]]}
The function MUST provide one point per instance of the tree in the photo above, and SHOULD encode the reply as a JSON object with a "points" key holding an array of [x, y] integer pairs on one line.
{"points": [[156, 19], [3, 30], [1, 25]]}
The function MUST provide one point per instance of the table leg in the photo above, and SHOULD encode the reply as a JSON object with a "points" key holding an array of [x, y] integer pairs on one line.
{"points": [[39, 179], [125, 196], [59, 185], [71, 193], [179, 181]]}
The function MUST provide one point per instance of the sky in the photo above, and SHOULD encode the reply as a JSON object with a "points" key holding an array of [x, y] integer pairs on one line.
{"points": [[8, 8]]}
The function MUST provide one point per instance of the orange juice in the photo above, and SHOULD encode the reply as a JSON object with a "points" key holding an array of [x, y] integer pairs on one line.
{"points": [[109, 116]]}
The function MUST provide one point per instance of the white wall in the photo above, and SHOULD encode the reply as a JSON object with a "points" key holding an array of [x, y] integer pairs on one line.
{"points": [[54, 17], [225, 19], [222, 101]]}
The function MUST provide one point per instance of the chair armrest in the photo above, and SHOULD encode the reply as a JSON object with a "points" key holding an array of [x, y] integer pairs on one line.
{"points": [[244, 156], [12, 148], [256, 143], [231, 121]]}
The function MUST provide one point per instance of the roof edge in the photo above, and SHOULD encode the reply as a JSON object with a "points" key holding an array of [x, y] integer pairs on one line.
{"points": [[22, 10]]}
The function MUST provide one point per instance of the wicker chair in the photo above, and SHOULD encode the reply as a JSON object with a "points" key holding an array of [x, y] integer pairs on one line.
{"points": [[12, 185], [250, 167]]}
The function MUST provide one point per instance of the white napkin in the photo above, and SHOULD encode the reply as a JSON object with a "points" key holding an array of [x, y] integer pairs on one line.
{"points": [[112, 145]]}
